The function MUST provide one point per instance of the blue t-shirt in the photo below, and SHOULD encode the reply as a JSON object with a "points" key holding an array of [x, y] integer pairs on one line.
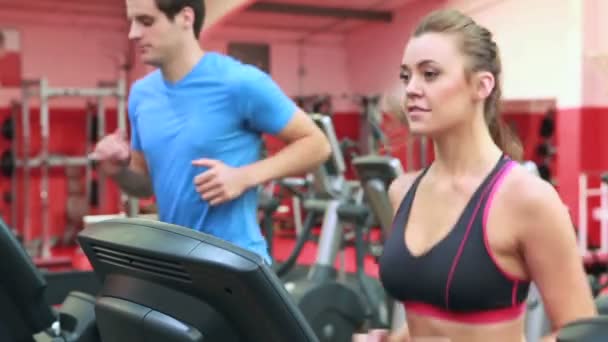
{"points": [[218, 111]]}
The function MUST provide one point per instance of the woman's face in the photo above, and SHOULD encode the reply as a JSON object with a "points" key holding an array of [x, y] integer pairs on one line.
{"points": [[437, 94]]}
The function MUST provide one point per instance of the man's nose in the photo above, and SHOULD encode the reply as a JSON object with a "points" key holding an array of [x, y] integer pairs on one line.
{"points": [[135, 31]]}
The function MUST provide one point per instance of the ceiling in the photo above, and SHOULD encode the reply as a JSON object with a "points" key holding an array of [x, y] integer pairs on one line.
{"points": [[314, 16]]}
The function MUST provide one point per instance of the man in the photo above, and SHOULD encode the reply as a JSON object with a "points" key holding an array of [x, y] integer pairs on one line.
{"points": [[196, 126]]}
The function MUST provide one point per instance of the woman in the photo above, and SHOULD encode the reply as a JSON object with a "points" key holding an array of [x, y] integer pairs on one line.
{"points": [[474, 229]]}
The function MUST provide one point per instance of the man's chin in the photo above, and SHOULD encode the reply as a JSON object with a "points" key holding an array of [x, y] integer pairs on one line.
{"points": [[151, 62]]}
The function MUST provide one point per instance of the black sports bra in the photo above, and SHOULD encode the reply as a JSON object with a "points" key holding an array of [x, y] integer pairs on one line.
{"points": [[458, 279]]}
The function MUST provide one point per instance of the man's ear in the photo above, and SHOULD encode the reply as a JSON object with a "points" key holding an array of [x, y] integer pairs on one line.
{"points": [[187, 17], [484, 84]]}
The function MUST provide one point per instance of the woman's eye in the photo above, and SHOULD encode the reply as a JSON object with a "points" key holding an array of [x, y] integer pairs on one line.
{"points": [[430, 75]]}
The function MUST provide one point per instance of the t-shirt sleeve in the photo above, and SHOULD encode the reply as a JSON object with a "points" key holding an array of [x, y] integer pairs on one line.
{"points": [[132, 114], [266, 107]]}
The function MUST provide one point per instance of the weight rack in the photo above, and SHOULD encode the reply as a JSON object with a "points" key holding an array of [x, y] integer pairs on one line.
{"points": [[40, 90]]}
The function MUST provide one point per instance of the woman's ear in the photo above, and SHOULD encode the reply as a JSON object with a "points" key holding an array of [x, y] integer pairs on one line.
{"points": [[484, 84]]}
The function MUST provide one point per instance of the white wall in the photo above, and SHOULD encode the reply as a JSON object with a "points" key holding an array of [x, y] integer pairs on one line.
{"points": [[595, 77], [540, 43]]}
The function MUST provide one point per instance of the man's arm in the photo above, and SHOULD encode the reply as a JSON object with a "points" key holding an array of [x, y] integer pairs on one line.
{"points": [[306, 148], [134, 179], [265, 109]]}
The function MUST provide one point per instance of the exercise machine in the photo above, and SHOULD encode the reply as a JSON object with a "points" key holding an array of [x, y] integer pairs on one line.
{"points": [[327, 189], [317, 103], [371, 136], [270, 199], [334, 307], [585, 330], [24, 314], [376, 173], [600, 214], [595, 259], [162, 282], [268, 205]]}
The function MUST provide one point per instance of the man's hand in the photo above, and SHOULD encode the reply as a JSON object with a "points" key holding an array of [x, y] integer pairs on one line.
{"points": [[113, 153], [220, 183]]}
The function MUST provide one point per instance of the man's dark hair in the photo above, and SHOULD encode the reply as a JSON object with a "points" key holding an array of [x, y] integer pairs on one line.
{"points": [[171, 7], [2, 40]]}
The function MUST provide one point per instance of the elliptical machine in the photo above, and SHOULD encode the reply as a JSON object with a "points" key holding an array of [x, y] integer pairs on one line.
{"points": [[376, 173], [334, 308]]}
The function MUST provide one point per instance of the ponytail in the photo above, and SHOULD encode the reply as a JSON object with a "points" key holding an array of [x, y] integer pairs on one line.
{"points": [[504, 137]]}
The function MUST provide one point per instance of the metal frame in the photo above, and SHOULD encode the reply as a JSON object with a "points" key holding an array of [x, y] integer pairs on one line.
{"points": [[602, 215], [329, 184], [331, 190], [40, 90], [376, 174]]}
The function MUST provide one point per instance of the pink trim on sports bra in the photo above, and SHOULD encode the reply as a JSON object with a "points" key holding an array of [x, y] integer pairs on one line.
{"points": [[479, 317], [486, 214], [490, 187]]}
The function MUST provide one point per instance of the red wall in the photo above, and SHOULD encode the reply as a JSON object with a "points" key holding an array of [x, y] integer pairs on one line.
{"points": [[67, 137]]}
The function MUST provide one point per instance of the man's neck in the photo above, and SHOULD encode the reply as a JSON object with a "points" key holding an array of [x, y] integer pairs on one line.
{"points": [[182, 63]]}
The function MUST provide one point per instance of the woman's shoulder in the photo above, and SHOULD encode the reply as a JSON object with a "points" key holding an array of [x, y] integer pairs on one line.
{"points": [[527, 195], [400, 186]]}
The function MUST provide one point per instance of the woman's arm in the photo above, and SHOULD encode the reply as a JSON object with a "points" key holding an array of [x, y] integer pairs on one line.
{"points": [[547, 242]]}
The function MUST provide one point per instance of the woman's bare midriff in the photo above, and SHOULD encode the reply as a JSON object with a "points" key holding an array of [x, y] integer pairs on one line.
{"points": [[425, 328]]}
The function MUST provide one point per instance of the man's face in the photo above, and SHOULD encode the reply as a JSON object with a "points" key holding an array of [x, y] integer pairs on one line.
{"points": [[156, 37]]}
